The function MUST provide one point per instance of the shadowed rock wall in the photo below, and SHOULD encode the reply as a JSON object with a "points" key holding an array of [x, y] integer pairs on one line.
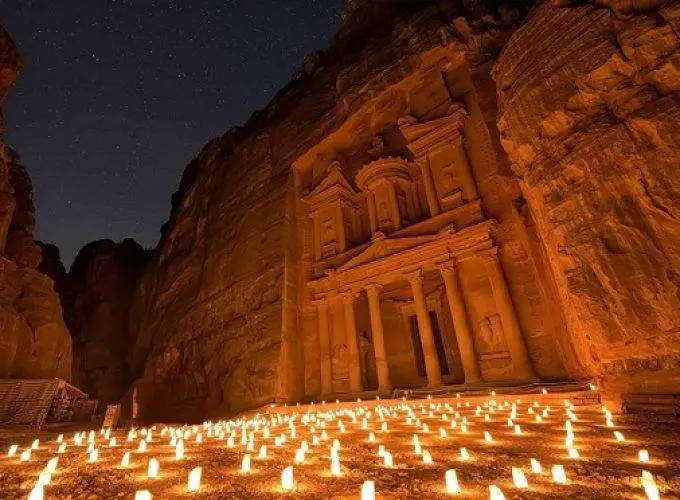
{"points": [[34, 342], [590, 117]]}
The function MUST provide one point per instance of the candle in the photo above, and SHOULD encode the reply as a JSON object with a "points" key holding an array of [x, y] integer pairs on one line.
{"points": [[387, 459], [371, 437], [35, 444], [573, 453], [558, 474], [518, 429], [442, 432], [12, 450], [464, 455], [93, 456], [37, 493], [643, 456], [427, 457], [143, 495], [152, 471], [179, 450], [263, 452], [651, 490], [495, 493], [518, 478], [142, 446], [381, 450], [335, 465], [487, 436], [125, 461], [536, 466], [194, 483], [245, 464], [368, 490], [299, 456], [451, 480], [44, 477], [619, 437], [287, 479], [52, 464]]}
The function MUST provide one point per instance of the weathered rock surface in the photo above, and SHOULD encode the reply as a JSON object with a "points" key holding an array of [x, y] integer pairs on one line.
{"points": [[589, 97], [34, 341], [96, 296]]}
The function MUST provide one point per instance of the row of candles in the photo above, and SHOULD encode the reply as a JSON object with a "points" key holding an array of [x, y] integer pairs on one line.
{"points": [[319, 420]]}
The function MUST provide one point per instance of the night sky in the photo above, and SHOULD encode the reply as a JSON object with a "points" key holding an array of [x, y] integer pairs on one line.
{"points": [[117, 96]]}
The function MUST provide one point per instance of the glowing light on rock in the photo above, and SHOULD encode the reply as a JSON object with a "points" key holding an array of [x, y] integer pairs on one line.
{"points": [[451, 481], [427, 457], [650, 487], [154, 466], [573, 453], [287, 482], [487, 437], [619, 437], [143, 495], [518, 478], [35, 445], [299, 456], [335, 466], [44, 477], [371, 437], [263, 452], [142, 446], [536, 466], [558, 474], [643, 456], [52, 465], [368, 490], [125, 461], [464, 455], [12, 450], [179, 450], [518, 429], [388, 461], [25, 455], [442, 432], [194, 482]]}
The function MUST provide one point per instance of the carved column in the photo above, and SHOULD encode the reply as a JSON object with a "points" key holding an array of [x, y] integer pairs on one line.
{"points": [[325, 360], [317, 237], [432, 368], [396, 215], [384, 384], [353, 358], [461, 326], [519, 353], [372, 211], [430, 190]]}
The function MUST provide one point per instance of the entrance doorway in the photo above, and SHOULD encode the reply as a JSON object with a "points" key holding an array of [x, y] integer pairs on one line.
{"points": [[418, 345]]}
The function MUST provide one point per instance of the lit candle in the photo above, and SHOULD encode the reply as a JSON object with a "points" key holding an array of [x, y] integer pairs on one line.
{"points": [[451, 480], [487, 436], [35, 444], [299, 456], [179, 450], [287, 479], [387, 459], [442, 432], [643, 456], [245, 464], [44, 477], [558, 474], [37, 493], [335, 466], [427, 457], [573, 453], [125, 461], [143, 495], [371, 437], [518, 478], [152, 471], [464, 455], [263, 452], [194, 483], [381, 450], [142, 446], [536, 466], [651, 490], [12, 450], [368, 490], [52, 465], [93, 456], [518, 429], [619, 437], [495, 493]]}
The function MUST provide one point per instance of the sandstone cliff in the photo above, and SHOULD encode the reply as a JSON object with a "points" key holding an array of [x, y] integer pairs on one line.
{"points": [[96, 296], [34, 342], [589, 97]]}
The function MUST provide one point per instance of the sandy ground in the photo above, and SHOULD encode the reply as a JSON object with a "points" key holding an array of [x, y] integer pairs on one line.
{"points": [[607, 468]]}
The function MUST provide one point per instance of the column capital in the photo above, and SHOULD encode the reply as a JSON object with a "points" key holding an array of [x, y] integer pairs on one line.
{"points": [[373, 289], [414, 276], [350, 297], [321, 303], [448, 266], [489, 256]]}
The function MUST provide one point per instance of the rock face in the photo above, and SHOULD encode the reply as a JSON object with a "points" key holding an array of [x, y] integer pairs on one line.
{"points": [[96, 297], [589, 98], [34, 342]]}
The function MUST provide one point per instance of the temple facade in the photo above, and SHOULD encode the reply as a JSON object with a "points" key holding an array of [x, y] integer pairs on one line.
{"points": [[402, 282]]}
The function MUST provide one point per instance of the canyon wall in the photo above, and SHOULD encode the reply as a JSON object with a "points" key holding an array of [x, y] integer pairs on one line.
{"points": [[34, 341], [589, 98]]}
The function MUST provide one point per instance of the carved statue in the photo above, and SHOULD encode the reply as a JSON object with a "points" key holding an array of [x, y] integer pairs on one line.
{"points": [[491, 333]]}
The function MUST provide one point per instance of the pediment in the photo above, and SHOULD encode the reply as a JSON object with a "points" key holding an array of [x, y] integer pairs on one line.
{"points": [[334, 181], [382, 247]]}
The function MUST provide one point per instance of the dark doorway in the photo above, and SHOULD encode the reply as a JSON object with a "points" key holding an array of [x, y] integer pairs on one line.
{"points": [[418, 346]]}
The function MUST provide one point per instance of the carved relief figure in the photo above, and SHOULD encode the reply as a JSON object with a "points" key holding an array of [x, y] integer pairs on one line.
{"points": [[368, 368], [491, 334]]}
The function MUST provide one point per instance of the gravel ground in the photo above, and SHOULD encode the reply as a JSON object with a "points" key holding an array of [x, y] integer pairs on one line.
{"points": [[607, 468]]}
